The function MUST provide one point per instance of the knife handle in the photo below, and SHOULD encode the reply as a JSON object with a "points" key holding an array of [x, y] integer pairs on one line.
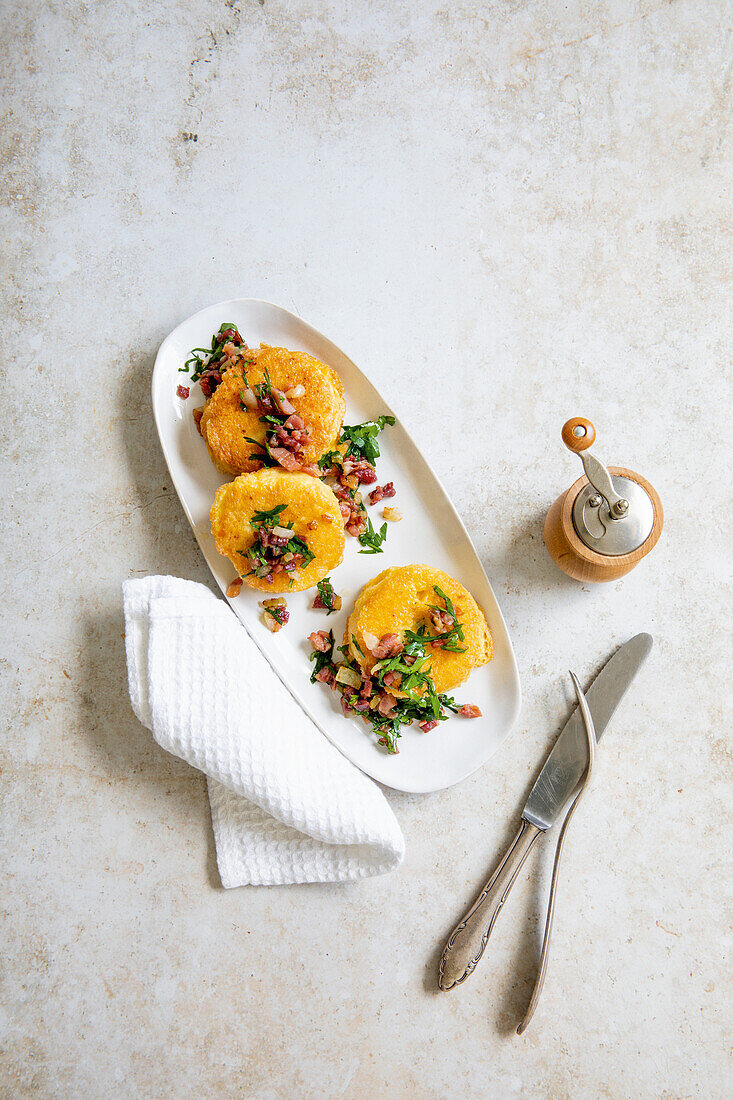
{"points": [[468, 939]]}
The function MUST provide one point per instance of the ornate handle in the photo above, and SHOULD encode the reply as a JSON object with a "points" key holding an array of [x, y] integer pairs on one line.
{"points": [[468, 939]]}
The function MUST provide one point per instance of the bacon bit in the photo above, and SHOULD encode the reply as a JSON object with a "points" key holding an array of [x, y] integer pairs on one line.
{"points": [[234, 588], [313, 525], [441, 620], [427, 726], [320, 641], [183, 391], [382, 491], [469, 710], [389, 645], [319, 605], [392, 679], [362, 471], [197, 414], [287, 460], [345, 509], [386, 705], [326, 676], [394, 515]]}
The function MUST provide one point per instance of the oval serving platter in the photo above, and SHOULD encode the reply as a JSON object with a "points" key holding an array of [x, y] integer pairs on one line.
{"points": [[430, 532]]}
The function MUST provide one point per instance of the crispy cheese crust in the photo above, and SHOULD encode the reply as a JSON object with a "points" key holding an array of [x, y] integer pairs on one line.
{"points": [[399, 599], [224, 423], [307, 500]]}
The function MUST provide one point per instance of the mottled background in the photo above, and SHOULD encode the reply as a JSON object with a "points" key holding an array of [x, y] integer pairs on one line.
{"points": [[507, 213]]}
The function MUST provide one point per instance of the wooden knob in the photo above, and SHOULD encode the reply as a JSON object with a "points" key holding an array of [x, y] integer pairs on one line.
{"points": [[578, 434]]}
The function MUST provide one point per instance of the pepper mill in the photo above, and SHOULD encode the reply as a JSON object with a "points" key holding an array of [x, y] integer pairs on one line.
{"points": [[607, 521]]}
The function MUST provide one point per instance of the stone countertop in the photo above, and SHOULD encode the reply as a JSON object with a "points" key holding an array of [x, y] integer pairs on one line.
{"points": [[524, 203]]}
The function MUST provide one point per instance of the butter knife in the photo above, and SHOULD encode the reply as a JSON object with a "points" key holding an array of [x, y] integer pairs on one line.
{"points": [[563, 770]]}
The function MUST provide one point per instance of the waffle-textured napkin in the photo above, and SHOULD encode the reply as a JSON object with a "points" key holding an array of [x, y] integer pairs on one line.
{"points": [[286, 806]]}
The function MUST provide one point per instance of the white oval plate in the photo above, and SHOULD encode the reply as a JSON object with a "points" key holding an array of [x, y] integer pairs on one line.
{"points": [[430, 532]]}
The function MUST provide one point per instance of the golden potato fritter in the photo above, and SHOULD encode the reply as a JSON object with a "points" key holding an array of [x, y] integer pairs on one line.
{"points": [[225, 423], [400, 599], [311, 508]]}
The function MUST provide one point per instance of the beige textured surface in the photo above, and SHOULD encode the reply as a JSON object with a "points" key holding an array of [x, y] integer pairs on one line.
{"points": [[530, 199]]}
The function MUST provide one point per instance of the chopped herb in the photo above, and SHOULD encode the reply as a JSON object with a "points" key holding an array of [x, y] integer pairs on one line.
{"points": [[322, 660], [448, 639], [279, 614], [372, 540], [331, 458], [362, 438], [265, 456], [204, 359], [327, 595], [356, 644], [269, 519]]}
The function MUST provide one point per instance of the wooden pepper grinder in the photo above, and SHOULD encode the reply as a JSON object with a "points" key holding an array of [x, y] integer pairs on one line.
{"points": [[607, 521]]}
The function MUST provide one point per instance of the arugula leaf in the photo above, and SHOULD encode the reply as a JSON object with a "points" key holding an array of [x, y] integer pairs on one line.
{"points": [[362, 438], [372, 540]]}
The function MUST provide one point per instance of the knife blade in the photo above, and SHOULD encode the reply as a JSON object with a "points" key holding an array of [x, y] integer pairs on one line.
{"points": [[555, 784], [565, 765]]}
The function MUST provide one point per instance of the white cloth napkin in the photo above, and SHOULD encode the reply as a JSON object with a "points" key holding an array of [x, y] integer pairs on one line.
{"points": [[286, 806]]}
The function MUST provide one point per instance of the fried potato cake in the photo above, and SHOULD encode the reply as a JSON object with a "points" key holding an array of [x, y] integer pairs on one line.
{"points": [[400, 599], [225, 422], [305, 509]]}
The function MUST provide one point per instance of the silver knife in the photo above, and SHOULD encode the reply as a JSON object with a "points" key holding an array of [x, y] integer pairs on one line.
{"points": [[556, 783]]}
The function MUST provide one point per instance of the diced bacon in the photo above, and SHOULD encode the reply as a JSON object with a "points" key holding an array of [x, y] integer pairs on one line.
{"points": [[359, 468], [285, 459], [386, 705], [345, 509], [392, 679], [469, 710], [427, 726], [441, 620], [389, 645], [381, 492], [295, 423], [325, 676], [183, 392], [320, 641]]}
